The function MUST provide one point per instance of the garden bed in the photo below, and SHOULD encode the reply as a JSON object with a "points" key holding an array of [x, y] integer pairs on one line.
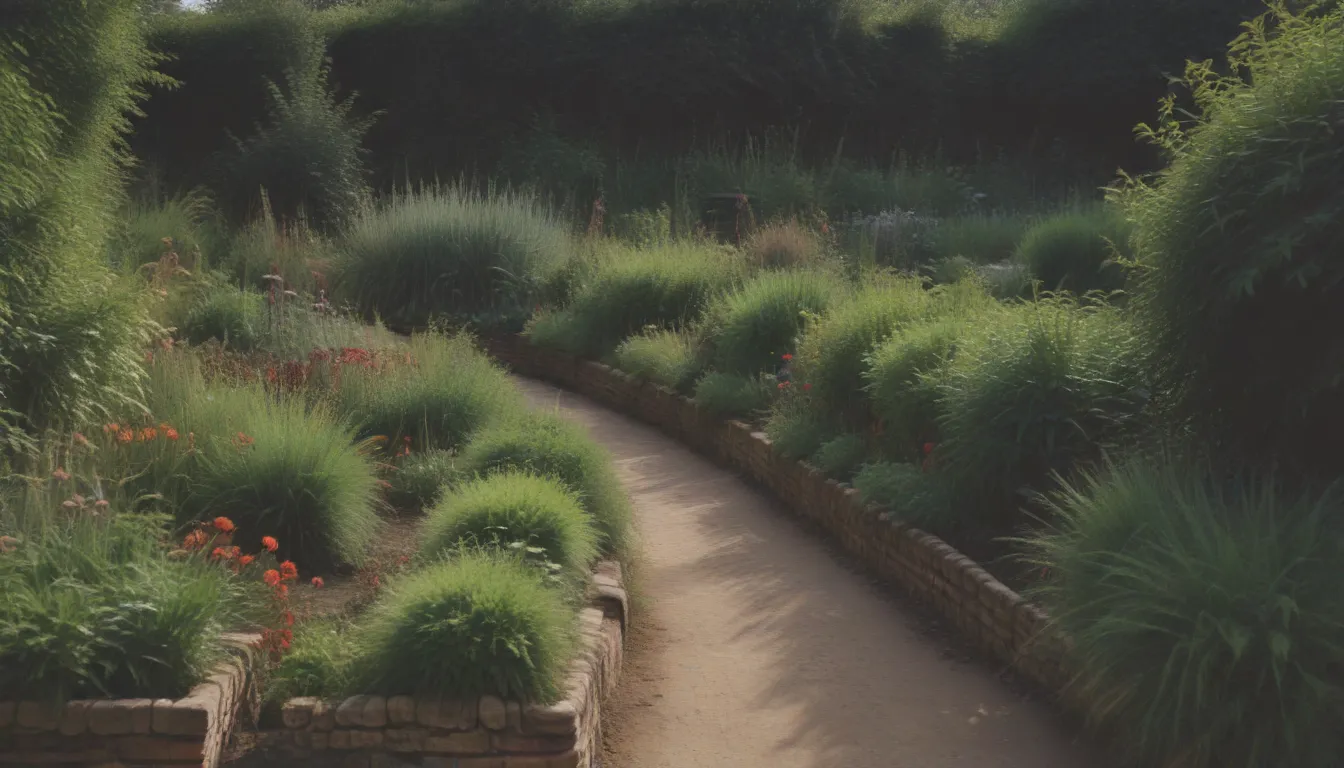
{"points": [[1000, 622]]}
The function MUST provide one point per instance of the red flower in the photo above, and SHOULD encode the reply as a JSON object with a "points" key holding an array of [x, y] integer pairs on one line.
{"points": [[219, 553], [271, 577], [125, 436], [928, 448], [171, 434], [289, 618], [783, 384], [281, 591], [786, 357], [147, 434], [246, 560], [289, 571], [111, 428], [269, 543], [194, 540], [60, 475], [807, 387], [80, 439], [223, 525], [318, 583]]}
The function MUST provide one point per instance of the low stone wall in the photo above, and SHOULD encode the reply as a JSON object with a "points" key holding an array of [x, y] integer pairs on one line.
{"points": [[489, 732], [126, 733], [993, 617]]}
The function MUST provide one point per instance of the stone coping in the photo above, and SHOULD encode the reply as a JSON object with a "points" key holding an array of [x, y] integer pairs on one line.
{"points": [[125, 733], [987, 613], [368, 731]]}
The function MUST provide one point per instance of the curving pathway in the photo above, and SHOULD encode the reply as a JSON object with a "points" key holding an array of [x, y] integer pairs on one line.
{"points": [[755, 648]]}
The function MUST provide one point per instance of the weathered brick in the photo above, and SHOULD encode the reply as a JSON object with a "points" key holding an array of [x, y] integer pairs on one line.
{"points": [[110, 717], [559, 719], [469, 743], [142, 715], [339, 740], [75, 717], [351, 711], [298, 712], [375, 712], [365, 739], [189, 717], [405, 739], [433, 761], [323, 717], [7, 709], [448, 714], [493, 714], [515, 742], [157, 748], [401, 710], [319, 739], [40, 716]]}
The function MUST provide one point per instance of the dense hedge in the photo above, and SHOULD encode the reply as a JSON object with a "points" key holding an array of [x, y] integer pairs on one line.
{"points": [[453, 80]]}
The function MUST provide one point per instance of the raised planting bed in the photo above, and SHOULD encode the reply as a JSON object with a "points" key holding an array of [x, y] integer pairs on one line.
{"points": [[990, 615], [366, 731], [127, 733]]}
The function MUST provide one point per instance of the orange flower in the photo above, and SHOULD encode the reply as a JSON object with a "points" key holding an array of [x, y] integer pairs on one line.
{"points": [[282, 592], [195, 540], [147, 434], [271, 577], [125, 436], [269, 543], [60, 475], [242, 440], [80, 439], [111, 428], [289, 571], [246, 560], [170, 433], [318, 583], [223, 525], [786, 357], [220, 553], [289, 618]]}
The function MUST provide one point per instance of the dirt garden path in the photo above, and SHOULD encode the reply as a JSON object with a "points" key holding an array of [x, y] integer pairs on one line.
{"points": [[754, 647]]}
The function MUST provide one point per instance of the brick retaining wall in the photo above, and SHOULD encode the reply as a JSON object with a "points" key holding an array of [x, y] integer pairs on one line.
{"points": [[993, 617]]}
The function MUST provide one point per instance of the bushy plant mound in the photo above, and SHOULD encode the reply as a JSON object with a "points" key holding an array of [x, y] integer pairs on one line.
{"points": [[1046, 392], [669, 358], [832, 355], [94, 608], [1204, 615], [418, 480], [1077, 251], [317, 663], [513, 510], [284, 470], [448, 251], [784, 245], [438, 392], [841, 457], [1239, 240], [226, 315], [546, 445], [797, 426], [479, 624], [665, 287], [753, 328], [732, 395]]}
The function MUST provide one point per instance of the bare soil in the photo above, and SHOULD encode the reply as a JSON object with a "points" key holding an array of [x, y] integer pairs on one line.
{"points": [[756, 646]]}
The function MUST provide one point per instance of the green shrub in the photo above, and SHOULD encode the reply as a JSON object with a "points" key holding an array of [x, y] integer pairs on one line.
{"points": [[510, 509], [316, 664], [554, 329], [185, 220], [547, 445], [665, 287], [979, 238], [841, 457], [890, 484], [1238, 242], [477, 625], [227, 315], [1204, 614], [1044, 394], [832, 353], [783, 245], [730, 395], [669, 358], [448, 251], [304, 162], [94, 608], [444, 394], [1076, 251], [287, 471], [798, 425], [753, 328], [419, 480]]}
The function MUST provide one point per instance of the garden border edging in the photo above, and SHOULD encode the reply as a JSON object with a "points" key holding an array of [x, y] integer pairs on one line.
{"points": [[991, 616], [164, 733]]}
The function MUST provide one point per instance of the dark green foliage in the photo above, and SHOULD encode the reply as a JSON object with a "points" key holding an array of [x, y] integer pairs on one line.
{"points": [[670, 358], [510, 510], [419, 480], [317, 664], [731, 396], [547, 445], [480, 624], [227, 315], [447, 251], [666, 287], [841, 457], [1204, 613], [94, 608], [1239, 243], [304, 162], [1077, 251], [1045, 393], [797, 425], [751, 329]]}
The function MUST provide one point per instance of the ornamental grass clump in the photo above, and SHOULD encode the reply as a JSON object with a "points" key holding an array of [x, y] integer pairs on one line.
{"points": [[750, 329], [547, 445], [669, 358], [480, 623], [1204, 613], [419, 479], [513, 511], [728, 396], [1077, 251]]}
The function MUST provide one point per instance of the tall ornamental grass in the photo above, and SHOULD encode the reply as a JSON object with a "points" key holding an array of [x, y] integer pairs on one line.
{"points": [[751, 329]]}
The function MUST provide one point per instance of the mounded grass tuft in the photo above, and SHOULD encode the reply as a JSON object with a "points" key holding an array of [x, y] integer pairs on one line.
{"points": [[1077, 250], [513, 509], [478, 624], [784, 245], [729, 395], [547, 445], [418, 480], [438, 391], [841, 457], [752, 328], [316, 664], [229, 316], [1204, 614], [669, 358], [797, 427]]}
